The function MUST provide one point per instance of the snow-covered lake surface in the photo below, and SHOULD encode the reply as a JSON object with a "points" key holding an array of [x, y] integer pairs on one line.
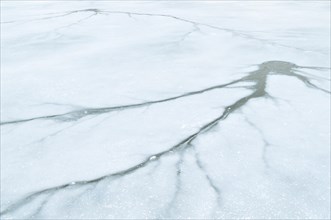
{"points": [[165, 109]]}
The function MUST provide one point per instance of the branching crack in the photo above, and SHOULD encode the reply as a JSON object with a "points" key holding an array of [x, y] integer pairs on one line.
{"points": [[178, 185], [258, 77], [78, 114], [270, 68], [210, 181], [187, 34], [266, 143], [238, 33]]}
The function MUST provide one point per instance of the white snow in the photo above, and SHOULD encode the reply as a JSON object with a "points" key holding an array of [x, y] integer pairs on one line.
{"points": [[196, 148]]}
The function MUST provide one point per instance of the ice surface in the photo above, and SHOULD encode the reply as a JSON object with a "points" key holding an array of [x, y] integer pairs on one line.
{"points": [[165, 109]]}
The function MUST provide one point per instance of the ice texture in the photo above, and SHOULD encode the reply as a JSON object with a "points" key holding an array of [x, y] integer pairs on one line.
{"points": [[165, 109]]}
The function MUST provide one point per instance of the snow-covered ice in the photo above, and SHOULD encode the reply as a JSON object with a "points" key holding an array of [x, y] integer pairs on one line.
{"points": [[165, 109]]}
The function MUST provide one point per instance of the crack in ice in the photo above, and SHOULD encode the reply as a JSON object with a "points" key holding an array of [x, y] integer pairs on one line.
{"points": [[235, 32], [178, 184], [210, 181], [78, 114], [266, 143], [259, 77]]}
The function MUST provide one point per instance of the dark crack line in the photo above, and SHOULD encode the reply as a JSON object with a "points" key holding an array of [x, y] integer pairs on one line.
{"points": [[266, 143], [232, 31], [186, 35], [210, 181], [259, 77], [306, 81], [319, 78], [53, 134], [73, 200], [52, 16], [78, 114], [57, 30], [195, 23], [73, 24], [178, 183], [154, 168], [35, 214]]}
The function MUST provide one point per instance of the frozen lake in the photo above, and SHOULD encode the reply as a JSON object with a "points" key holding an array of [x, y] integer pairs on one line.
{"points": [[165, 109]]}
